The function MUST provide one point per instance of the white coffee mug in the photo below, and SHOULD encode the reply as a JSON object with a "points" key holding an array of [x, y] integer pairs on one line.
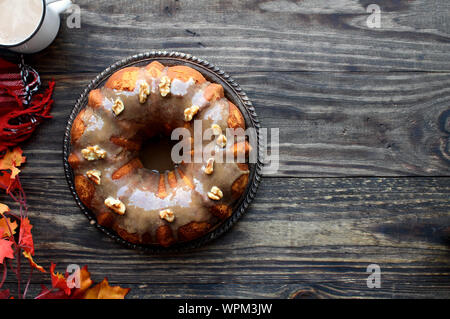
{"points": [[46, 31]]}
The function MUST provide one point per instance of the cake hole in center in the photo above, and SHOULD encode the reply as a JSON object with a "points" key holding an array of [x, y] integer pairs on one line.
{"points": [[155, 154]]}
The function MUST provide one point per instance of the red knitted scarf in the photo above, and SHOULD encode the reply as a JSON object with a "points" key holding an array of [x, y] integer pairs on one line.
{"points": [[21, 111]]}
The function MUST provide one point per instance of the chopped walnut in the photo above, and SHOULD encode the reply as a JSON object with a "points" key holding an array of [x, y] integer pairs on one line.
{"points": [[115, 205], [215, 193], [92, 153], [217, 130], [164, 85], [167, 214], [118, 106], [94, 175], [221, 140], [144, 92], [190, 112], [209, 168]]}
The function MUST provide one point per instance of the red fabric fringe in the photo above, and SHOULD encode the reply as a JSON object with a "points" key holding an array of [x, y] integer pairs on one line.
{"points": [[18, 121]]}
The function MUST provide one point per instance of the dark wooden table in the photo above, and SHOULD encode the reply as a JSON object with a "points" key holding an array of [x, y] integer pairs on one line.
{"points": [[364, 119]]}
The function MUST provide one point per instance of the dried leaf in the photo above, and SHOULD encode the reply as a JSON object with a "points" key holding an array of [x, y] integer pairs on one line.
{"points": [[104, 291], [8, 168], [25, 237], [12, 159], [59, 281], [85, 283], [6, 250], [6, 231], [32, 263], [3, 209], [48, 294]]}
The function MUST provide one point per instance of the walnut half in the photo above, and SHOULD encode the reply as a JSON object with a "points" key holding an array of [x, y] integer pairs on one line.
{"points": [[94, 175], [209, 168], [115, 205], [144, 92], [221, 141], [167, 214], [118, 106], [215, 193], [190, 112], [164, 85], [92, 153]]}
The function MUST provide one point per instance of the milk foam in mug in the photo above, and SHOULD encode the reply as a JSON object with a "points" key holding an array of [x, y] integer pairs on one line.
{"points": [[29, 26]]}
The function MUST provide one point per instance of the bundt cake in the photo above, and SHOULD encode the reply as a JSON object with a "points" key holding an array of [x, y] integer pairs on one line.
{"points": [[140, 204]]}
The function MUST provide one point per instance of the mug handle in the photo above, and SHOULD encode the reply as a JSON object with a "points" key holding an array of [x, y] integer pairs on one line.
{"points": [[58, 5]]}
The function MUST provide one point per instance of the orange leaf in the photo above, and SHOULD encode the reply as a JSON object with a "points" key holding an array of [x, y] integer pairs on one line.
{"points": [[8, 167], [5, 180], [32, 263], [7, 227], [104, 291], [25, 237], [5, 250], [58, 280], [85, 283], [12, 159], [3, 209]]}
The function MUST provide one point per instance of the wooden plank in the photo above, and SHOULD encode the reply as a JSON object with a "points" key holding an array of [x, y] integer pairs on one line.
{"points": [[264, 291], [257, 35], [331, 124], [319, 233]]}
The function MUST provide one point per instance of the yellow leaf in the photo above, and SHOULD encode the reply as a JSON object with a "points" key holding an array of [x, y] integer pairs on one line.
{"points": [[32, 263], [6, 231], [12, 159], [3, 209], [104, 291]]}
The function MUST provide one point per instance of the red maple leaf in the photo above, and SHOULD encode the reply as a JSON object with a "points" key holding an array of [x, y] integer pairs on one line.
{"points": [[6, 250], [8, 168], [58, 280], [25, 237]]}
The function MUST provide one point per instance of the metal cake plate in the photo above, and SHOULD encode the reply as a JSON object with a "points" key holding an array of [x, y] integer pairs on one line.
{"points": [[232, 91]]}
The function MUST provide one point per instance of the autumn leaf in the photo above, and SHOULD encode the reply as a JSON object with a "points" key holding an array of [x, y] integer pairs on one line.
{"points": [[6, 250], [8, 168], [32, 263], [12, 159], [3, 209], [104, 291], [48, 294], [7, 227], [85, 283], [58, 280], [25, 237]]}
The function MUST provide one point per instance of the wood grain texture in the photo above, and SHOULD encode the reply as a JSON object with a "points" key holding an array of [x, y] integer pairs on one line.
{"points": [[319, 233], [330, 124], [364, 119], [258, 35]]}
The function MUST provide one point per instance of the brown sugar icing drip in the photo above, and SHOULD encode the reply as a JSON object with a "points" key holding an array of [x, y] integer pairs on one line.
{"points": [[144, 192]]}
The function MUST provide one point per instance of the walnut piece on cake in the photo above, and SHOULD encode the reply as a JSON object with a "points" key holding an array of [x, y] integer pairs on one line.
{"points": [[94, 175], [92, 153], [144, 92], [215, 193], [118, 106], [167, 214], [164, 85], [209, 168], [115, 205], [221, 141]]}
